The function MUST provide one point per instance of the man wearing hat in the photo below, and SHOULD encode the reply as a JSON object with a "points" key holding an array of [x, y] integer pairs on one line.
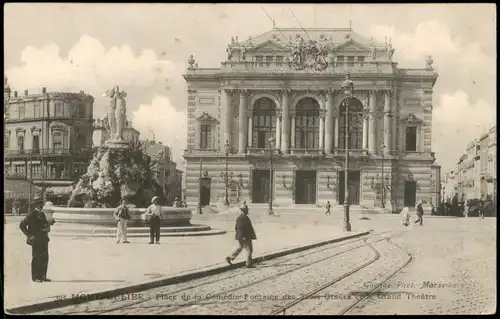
{"points": [[36, 227], [154, 213], [122, 215], [420, 213]]}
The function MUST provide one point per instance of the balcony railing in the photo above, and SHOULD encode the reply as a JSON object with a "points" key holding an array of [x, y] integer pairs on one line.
{"points": [[275, 66], [49, 152], [40, 176], [306, 152]]}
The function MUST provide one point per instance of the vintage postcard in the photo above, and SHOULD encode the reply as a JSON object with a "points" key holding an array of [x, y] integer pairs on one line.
{"points": [[250, 159]]}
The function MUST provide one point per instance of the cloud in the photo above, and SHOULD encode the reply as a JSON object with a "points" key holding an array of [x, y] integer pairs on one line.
{"points": [[465, 89], [91, 67], [455, 123], [169, 125]]}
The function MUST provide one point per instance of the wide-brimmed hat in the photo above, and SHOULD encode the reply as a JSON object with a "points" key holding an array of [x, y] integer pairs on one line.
{"points": [[154, 198]]}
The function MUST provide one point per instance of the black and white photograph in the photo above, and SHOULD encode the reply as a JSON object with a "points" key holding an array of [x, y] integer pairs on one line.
{"points": [[250, 159]]}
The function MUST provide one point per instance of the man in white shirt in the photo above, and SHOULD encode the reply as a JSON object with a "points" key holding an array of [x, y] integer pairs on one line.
{"points": [[154, 213], [122, 215]]}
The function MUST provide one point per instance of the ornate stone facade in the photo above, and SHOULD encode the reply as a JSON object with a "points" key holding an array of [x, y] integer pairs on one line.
{"points": [[278, 84]]}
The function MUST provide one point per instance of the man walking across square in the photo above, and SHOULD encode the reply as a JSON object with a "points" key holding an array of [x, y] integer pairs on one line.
{"points": [[122, 215], [154, 214], [36, 228], [244, 235], [328, 206], [420, 214]]}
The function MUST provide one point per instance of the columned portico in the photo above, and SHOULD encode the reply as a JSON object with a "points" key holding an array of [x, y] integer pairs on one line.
{"points": [[329, 123], [303, 110], [226, 101], [242, 122], [285, 125], [387, 123], [372, 137]]}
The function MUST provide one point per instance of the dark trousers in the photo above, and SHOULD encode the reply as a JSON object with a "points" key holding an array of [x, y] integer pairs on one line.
{"points": [[328, 211], [154, 228], [40, 259], [247, 245], [420, 219]]}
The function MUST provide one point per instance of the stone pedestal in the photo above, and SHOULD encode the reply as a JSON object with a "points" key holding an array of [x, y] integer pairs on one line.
{"points": [[117, 144]]}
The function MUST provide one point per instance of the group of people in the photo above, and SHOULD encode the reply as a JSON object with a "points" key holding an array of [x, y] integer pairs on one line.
{"points": [[407, 215], [152, 216]]}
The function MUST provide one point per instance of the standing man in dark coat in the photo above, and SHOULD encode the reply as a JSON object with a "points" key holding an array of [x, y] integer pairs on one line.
{"points": [[244, 235], [36, 227], [420, 214]]}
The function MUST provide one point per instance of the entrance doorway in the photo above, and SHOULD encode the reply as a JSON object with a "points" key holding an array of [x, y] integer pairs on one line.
{"points": [[410, 193], [260, 186], [353, 178], [205, 186], [305, 187]]}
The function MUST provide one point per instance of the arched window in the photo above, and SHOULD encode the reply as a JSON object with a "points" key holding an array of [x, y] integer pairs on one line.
{"points": [[307, 124], [355, 110], [264, 122]]}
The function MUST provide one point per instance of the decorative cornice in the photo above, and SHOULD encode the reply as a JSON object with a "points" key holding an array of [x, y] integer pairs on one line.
{"points": [[205, 117], [412, 119]]}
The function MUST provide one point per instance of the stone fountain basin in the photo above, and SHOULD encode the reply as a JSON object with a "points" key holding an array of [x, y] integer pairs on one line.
{"points": [[170, 216]]}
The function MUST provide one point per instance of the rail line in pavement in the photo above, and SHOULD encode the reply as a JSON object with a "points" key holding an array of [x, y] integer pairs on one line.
{"points": [[304, 297], [253, 283], [295, 257]]}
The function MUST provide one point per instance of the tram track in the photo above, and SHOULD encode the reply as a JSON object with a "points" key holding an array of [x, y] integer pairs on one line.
{"points": [[183, 306], [139, 303], [366, 295]]}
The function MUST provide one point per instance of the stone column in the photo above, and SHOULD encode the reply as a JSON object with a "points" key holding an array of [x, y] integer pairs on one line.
{"points": [[387, 123], [336, 135], [250, 128], [278, 131], [372, 137], [321, 130], [242, 134], [226, 103], [293, 132], [365, 131], [285, 125], [197, 138], [329, 123]]}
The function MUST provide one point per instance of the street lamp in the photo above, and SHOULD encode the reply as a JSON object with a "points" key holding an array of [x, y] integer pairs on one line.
{"points": [[226, 178], [272, 141], [199, 187], [382, 149], [348, 88]]}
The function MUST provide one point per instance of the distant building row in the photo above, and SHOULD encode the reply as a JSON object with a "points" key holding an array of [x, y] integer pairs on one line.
{"points": [[49, 137], [475, 175]]}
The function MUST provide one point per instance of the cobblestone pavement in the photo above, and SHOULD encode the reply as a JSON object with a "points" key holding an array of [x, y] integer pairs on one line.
{"points": [[452, 271], [233, 284]]}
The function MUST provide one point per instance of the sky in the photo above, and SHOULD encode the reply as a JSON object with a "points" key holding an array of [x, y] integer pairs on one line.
{"points": [[144, 48]]}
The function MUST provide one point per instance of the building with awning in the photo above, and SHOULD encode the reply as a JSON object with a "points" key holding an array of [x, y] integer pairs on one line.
{"points": [[19, 189]]}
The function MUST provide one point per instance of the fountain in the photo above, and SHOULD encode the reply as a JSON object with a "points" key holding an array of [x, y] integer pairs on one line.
{"points": [[118, 170]]}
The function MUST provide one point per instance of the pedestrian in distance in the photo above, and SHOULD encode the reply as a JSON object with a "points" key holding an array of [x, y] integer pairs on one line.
{"points": [[328, 206], [480, 210], [406, 216], [420, 214], [244, 235], [122, 215], [153, 213], [36, 228], [177, 203]]}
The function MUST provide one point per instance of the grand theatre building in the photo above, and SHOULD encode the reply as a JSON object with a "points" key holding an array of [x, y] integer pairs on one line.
{"points": [[274, 116]]}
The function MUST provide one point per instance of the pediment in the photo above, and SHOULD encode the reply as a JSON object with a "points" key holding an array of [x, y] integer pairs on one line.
{"points": [[207, 118], [269, 45], [352, 46], [412, 119]]}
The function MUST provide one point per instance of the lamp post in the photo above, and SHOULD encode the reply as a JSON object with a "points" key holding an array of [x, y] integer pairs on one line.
{"points": [[382, 149], [226, 179], [348, 88], [271, 146], [199, 187]]}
